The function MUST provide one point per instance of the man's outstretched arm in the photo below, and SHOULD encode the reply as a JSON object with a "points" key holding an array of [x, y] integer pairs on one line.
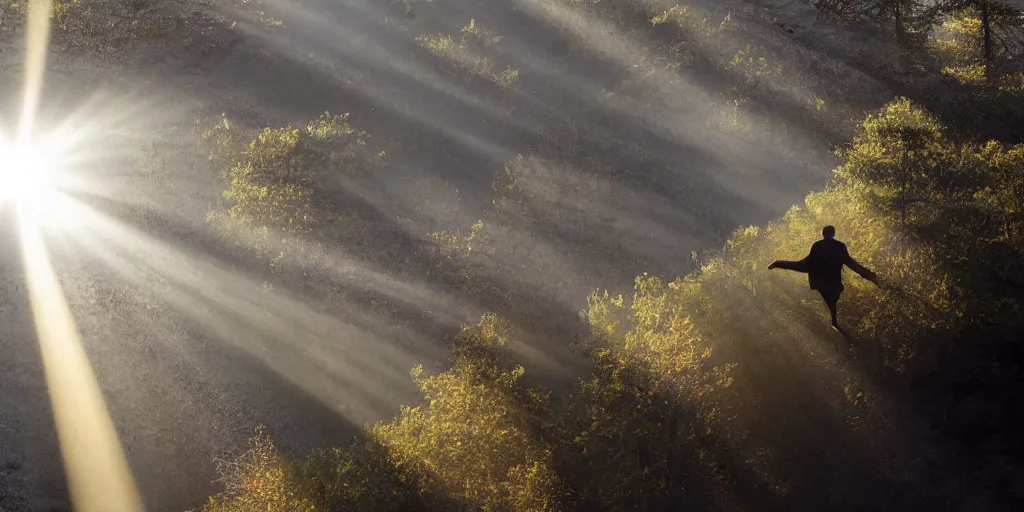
{"points": [[861, 270], [796, 266], [803, 265]]}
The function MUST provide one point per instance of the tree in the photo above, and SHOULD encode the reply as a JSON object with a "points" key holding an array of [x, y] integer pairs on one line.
{"points": [[655, 386], [471, 441], [908, 17], [900, 153], [975, 27], [1005, 189], [260, 480], [115, 30], [662, 421], [356, 477]]}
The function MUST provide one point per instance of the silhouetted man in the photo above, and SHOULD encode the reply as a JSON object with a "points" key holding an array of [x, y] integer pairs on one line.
{"points": [[824, 268]]}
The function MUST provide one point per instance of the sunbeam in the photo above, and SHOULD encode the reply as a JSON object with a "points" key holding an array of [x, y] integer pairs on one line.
{"points": [[97, 471], [336, 358], [37, 44]]}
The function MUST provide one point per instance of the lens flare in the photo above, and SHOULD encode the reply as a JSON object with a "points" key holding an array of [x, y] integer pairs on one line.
{"points": [[26, 174], [99, 478], [32, 180]]}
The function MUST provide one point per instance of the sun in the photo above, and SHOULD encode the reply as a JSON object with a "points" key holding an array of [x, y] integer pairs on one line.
{"points": [[27, 173]]}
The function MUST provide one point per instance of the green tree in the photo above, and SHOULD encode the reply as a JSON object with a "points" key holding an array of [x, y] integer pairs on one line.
{"points": [[638, 430], [471, 439], [357, 477], [662, 420], [900, 155], [979, 44], [1005, 189]]}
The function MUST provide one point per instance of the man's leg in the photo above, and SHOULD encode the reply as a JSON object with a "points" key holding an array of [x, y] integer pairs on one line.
{"points": [[831, 300]]}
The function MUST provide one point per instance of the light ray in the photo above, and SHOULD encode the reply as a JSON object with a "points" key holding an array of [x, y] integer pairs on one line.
{"points": [[97, 471], [37, 45], [335, 357]]}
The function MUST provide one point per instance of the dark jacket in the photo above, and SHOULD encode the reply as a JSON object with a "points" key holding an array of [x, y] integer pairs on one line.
{"points": [[824, 265]]}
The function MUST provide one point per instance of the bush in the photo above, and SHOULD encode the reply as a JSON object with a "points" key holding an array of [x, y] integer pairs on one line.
{"points": [[275, 184], [260, 480], [467, 54]]}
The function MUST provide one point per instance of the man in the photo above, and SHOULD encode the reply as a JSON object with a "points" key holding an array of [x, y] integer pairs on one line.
{"points": [[824, 268]]}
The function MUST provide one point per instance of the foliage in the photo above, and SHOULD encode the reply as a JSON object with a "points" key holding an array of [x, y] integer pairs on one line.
{"points": [[695, 38], [1004, 190], [655, 331], [62, 12], [530, 190], [753, 67], [654, 385], [357, 477], [225, 141], [350, 478], [693, 26], [676, 406], [752, 79], [901, 155], [508, 78], [910, 21], [457, 248], [958, 47], [474, 34], [660, 419], [928, 209], [689, 38], [530, 195], [942, 192], [260, 480], [508, 185], [275, 184], [466, 53], [454, 243], [471, 438], [408, 7], [254, 10]]}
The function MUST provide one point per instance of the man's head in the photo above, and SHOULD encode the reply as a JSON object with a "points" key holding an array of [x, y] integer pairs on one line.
{"points": [[828, 232]]}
